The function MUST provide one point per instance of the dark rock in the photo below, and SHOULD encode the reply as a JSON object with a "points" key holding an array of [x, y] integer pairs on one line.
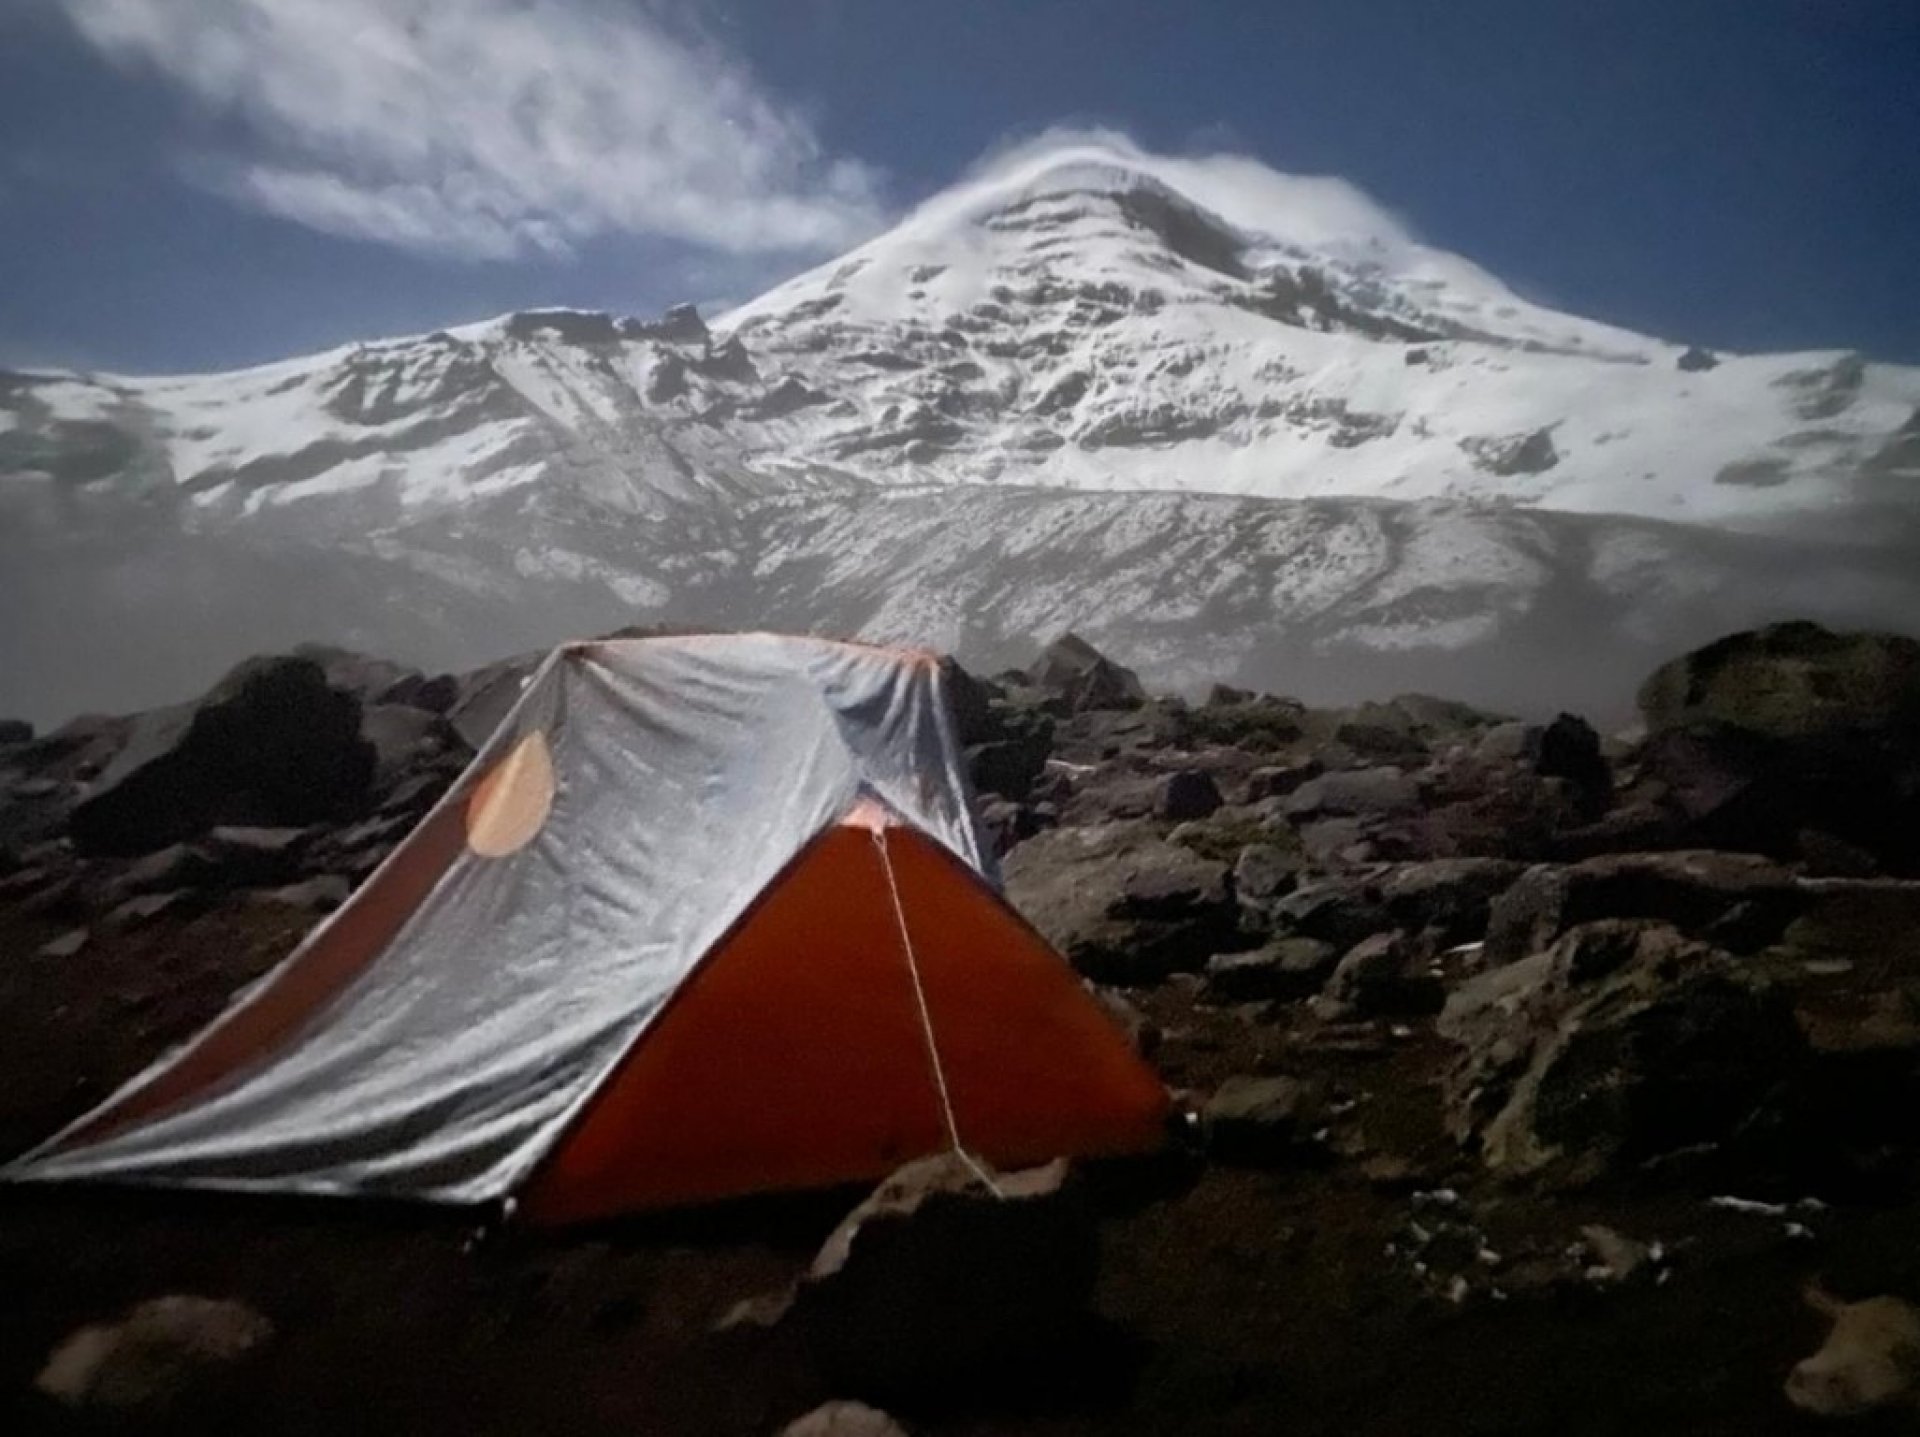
{"points": [[1510, 742], [1263, 872], [1008, 767], [1172, 890], [1012, 761], [1281, 780], [1451, 898], [844, 1419], [1286, 968], [1226, 696], [163, 1358], [1381, 731], [1355, 792], [437, 695], [1436, 718], [935, 1285], [1869, 1364], [1085, 678], [1335, 843], [404, 739], [15, 731], [970, 701], [1339, 911], [1769, 732], [321, 893], [1693, 359], [1383, 975], [1254, 1120], [361, 675], [1624, 1042], [255, 852], [1828, 857], [271, 744], [488, 694], [1569, 748], [1792, 682], [1124, 905], [147, 906], [178, 865], [1689, 889], [1187, 794], [66, 945], [1253, 723], [1514, 454]]}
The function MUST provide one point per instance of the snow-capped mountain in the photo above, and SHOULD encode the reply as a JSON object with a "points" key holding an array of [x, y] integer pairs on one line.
{"points": [[1078, 321], [1356, 446]]}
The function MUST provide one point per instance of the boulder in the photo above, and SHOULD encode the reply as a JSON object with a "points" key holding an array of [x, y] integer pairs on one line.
{"points": [[65, 946], [970, 702], [1693, 359], [1124, 905], [1569, 748], [1381, 731], [404, 739], [1870, 1361], [247, 855], [844, 1419], [15, 731], [1251, 723], [1340, 911], [488, 694], [1254, 1120], [146, 907], [1010, 823], [436, 695], [1282, 780], [271, 744], [362, 675], [1382, 975], [1449, 898], [935, 1284], [1693, 890], [1187, 794], [1792, 682], [1265, 872], [1354, 793], [1283, 969], [1765, 734], [1623, 1043], [163, 1355], [322, 893], [1013, 755], [1828, 857], [1074, 671]]}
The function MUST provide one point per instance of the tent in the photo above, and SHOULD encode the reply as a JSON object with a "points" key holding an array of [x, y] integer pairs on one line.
{"points": [[707, 916]]}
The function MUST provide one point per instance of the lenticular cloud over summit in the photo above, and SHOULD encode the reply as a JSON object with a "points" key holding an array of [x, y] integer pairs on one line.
{"points": [[489, 128], [1318, 212]]}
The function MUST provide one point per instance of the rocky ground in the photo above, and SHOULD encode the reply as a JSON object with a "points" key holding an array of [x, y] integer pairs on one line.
{"points": [[1543, 1081]]}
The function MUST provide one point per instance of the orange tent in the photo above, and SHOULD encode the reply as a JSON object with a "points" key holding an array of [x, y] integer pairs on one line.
{"points": [[708, 916]]}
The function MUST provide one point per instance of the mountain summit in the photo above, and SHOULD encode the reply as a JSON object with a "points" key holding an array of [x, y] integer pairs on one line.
{"points": [[1227, 421]]}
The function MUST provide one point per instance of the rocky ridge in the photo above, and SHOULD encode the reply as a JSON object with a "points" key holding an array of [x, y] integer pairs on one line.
{"points": [[1498, 1022]]}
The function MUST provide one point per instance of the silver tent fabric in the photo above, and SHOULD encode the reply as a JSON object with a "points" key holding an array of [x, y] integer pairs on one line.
{"points": [[691, 771]]}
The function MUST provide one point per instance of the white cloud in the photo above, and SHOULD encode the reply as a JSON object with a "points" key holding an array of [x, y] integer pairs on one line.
{"points": [[1318, 212], [492, 128]]}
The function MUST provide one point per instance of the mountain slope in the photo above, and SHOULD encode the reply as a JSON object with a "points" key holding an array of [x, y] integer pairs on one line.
{"points": [[1191, 407]]}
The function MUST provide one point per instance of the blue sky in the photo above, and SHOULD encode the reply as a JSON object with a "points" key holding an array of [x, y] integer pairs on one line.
{"points": [[202, 183]]}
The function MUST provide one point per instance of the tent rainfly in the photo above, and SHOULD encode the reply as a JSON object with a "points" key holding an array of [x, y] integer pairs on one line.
{"points": [[707, 916]]}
